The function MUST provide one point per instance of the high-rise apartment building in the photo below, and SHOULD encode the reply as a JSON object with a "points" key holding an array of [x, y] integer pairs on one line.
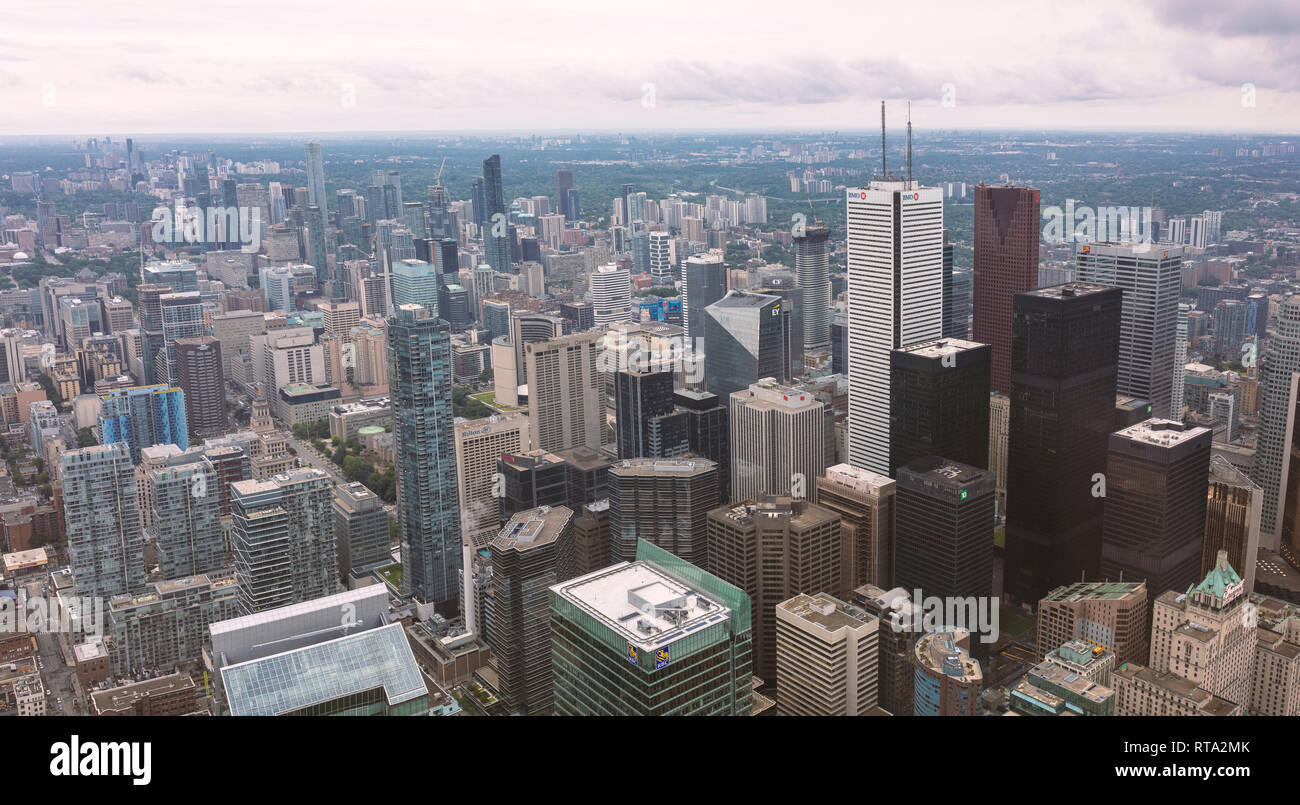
{"points": [[144, 416], [496, 243], [185, 521], [827, 657], [895, 278], [657, 636], [664, 501], [360, 529], [531, 554], [939, 402], [101, 518], [1006, 227], [284, 541], [1064, 350], [428, 512], [1152, 281], [1156, 485], [198, 365], [774, 549], [812, 272], [778, 442], [315, 175]]}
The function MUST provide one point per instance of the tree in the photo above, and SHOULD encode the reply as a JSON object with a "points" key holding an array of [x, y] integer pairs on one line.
{"points": [[86, 438], [486, 375]]}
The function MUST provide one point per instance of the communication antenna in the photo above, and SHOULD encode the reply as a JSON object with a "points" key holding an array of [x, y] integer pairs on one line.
{"points": [[883, 173], [909, 141]]}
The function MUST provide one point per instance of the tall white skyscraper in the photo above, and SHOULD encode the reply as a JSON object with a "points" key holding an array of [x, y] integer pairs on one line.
{"points": [[1180, 363], [611, 294], [778, 442], [1152, 281], [315, 176], [661, 264], [895, 268], [1279, 368]]}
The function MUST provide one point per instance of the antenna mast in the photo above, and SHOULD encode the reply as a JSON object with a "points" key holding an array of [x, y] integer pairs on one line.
{"points": [[909, 141], [883, 174]]}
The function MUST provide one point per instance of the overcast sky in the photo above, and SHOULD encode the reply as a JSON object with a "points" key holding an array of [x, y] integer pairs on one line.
{"points": [[75, 67]]}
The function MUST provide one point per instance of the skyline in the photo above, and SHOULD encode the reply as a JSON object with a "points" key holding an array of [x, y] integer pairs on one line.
{"points": [[587, 71]]}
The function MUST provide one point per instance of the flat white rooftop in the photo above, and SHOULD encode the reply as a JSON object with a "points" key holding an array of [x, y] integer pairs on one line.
{"points": [[645, 605]]}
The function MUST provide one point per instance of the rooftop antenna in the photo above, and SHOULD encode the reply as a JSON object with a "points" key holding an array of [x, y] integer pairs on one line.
{"points": [[883, 174], [909, 141]]}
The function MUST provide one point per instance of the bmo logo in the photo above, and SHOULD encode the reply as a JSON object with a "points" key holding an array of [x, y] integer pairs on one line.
{"points": [[916, 197], [862, 196]]}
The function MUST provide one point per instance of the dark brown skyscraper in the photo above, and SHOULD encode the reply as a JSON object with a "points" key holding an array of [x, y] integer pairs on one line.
{"points": [[198, 370], [1006, 263]]}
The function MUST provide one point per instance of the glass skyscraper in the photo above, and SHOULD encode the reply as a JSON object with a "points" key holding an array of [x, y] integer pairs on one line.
{"points": [[142, 417], [428, 511], [495, 237]]}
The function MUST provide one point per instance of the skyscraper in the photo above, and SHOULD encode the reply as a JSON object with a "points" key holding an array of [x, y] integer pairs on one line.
{"points": [[704, 281], [657, 636], [747, 338], [563, 184], [144, 416], [283, 537], [496, 244], [101, 516], [611, 294], [826, 663], [533, 552], [1152, 280], [778, 442], [428, 514], [772, 549], [315, 175], [957, 284], [661, 265], [1277, 401], [948, 679], [360, 529], [1006, 263], [565, 403], [648, 423], [185, 525], [1156, 489], [198, 364], [1232, 519], [664, 501], [940, 402], [865, 502], [944, 529], [895, 278], [1064, 352], [812, 272]]}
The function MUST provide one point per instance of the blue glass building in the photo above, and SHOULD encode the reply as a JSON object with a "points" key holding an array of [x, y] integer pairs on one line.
{"points": [[144, 416]]}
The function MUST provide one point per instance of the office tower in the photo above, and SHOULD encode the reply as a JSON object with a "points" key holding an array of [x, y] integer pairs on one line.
{"points": [[772, 550], [360, 529], [1229, 319], [528, 328], [865, 503], [428, 515], [315, 175], [648, 424], [747, 337], [533, 552], [445, 257], [812, 272], [101, 518], [1232, 514], [1277, 403], [826, 657], [496, 243], [655, 637], [1064, 351], [1156, 487], [1005, 264], [778, 442], [143, 416], [1152, 280], [957, 289], [581, 314], [897, 636], [999, 438], [782, 284], [185, 522], [180, 276], [704, 281], [309, 660], [591, 538], [1176, 400], [944, 529], [563, 184], [181, 317], [940, 402], [480, 443], [611, 294], [948, 679], [1106, 613], [529, 480], [708, 432], [283, 538], [198, 364], [565, 395], [575, 205], [892, 225], [415, 282], [839, 343], [664, 501], [1201, 633]]}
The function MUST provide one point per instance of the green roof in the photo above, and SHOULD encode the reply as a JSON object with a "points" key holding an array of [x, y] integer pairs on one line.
{"points": [[1220, 578]]}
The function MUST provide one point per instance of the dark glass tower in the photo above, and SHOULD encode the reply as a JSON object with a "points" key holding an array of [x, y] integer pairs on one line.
{"points": [[1064, 362], [943, 528], [1157, 485], [648, 425], [563, 184], [496, 234], [748, 338], [428, 511], [812, 269], [939, 402], [704, 281]]}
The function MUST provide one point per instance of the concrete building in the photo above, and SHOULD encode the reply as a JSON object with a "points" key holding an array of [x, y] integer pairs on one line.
{"points": [[779, 444], [360, 529], [480, 443], [826, 661], [948, 679], [1110, 614]]}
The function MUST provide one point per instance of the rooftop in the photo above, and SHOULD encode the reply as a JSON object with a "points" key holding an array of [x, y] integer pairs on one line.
{"points": [[825, 611]]}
